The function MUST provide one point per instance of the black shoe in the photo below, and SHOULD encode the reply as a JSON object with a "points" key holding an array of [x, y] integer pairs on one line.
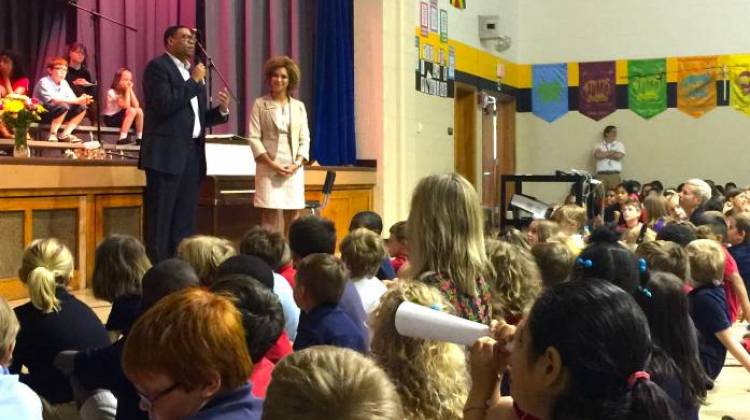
{"points": [[138, 142], [124, 142]]}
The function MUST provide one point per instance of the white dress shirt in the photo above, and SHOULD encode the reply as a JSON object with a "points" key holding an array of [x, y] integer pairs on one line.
{"points": [[184, 68]]}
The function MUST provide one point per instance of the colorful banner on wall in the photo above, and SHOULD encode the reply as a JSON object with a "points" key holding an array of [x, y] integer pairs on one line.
{"points": [[458, 4], [739, 77], [549, 91], [647, 86], [597, 90], [696, 84]]}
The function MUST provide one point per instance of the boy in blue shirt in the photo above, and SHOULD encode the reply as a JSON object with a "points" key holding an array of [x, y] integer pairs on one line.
{"points": [[321, 279]]}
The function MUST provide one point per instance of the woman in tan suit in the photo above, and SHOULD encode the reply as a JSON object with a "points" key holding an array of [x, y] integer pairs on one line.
{"points": [[280, 141]]}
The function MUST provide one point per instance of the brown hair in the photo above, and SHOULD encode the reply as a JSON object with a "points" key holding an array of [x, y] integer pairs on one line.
{"points": [[291, 67], [265, 244], [197, 333], [555, 262], [118, 76], [398, 230], [517, 281], [656, 208], [119, 266], [665, 256], [547, 229], [363, 252], [323, 278]]}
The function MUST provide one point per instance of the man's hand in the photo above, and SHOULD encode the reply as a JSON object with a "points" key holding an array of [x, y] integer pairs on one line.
{"points": [[224, 100], [198, 72]]}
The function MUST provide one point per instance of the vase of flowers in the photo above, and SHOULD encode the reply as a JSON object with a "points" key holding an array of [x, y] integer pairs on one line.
{"points": [[18, 112]]}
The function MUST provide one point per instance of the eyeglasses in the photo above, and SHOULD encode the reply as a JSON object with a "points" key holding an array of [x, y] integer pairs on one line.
{"points": [[147, 403]]}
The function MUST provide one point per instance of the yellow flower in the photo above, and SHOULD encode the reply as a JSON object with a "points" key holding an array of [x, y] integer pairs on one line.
{"points": [[13, 105]]}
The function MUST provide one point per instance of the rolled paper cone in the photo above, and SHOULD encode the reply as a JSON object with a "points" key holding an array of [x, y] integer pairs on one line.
{"points": [[419, 321]]}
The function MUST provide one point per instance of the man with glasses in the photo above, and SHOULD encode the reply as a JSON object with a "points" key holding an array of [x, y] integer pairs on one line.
{"points": [[62, 104], [173, 148]]}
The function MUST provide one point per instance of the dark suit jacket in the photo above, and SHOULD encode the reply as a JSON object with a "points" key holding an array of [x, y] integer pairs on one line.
{"points": [[169, 118]]}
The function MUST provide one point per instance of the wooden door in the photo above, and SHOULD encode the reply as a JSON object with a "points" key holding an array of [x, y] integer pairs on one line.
{"points": [[498, 151], [464, 132]]}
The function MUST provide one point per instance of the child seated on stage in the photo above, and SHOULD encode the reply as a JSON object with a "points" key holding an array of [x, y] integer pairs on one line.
{"points": [[362, 252], [321, 279], [326, 382], [122, 108], [205, 254], [17, 400], [54, 92]]}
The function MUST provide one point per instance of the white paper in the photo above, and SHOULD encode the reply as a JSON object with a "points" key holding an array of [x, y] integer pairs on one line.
{"points": [[419, 321]]}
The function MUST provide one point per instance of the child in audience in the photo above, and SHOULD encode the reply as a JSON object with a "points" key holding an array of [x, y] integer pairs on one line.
{"points": [[674, 363], [326, 382], [205, 254], [513, 236], [122, 107], [398, 247], [736, 201], [262, 319], [316, 235], [202, 373], [708, 307], [567, 363], [681, 232], [666, 256], [738, 235], [655, 206], [286, 266], [540, 231], [555, 262], [53, 321], [430, 376], [321, 279], [606, 259], [635, 232], [271, 247], [373, 222], [102, 367], [256, 268], [362, 252], [571, 218], [516, 283], [119, 266], [446, 244], [16, 399], [54, 92]]}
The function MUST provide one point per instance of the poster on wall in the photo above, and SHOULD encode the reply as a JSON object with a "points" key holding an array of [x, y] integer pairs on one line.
{"points": [[459, 4], [696, 84], [549, 91], [443, 25], [739, 78], [434, 18], [424, 18], [451, 63], [647, 87], [432, 79], [597, 90]]}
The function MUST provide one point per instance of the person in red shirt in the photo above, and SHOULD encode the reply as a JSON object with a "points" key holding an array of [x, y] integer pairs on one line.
{"points": [[398, 247], [13, 79]]}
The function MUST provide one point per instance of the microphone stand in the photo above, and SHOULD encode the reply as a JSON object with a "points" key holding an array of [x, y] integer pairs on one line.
{"points": [[95, 18], [211, 66]]}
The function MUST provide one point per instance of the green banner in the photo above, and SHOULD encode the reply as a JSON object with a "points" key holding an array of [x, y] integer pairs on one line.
{"points": [[647, 86]]}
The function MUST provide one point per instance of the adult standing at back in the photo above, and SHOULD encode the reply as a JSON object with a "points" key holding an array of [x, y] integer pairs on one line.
{"points": [[609, 154], [173, 151], [280, 141]]}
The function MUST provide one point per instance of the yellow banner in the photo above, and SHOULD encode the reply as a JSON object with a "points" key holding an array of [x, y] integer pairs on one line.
{"points": [[696, 84], [739, 77]]}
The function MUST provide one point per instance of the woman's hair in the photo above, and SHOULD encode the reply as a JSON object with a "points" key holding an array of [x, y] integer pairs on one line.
{"points": [[447, 238], [118, 76], [706, 258], [291, 67], [9, 327], [430, 376], [675, 353], [656, 208], [46, 264], [546, 230], [325, 382], [205, 254], [517, 280], [18, 70], [189, 336], [605, 258], [554, 260], [119, 266], [514, 236], [602, 337], [664, 256], [363, 252]]}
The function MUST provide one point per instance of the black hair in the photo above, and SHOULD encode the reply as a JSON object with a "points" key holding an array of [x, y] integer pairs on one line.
{"points": [[631, 186], [681, 233], [312, 235], [675, 354], [19, 71], [367, 219], [262, 315], [715, 221], [602, 337], [248, 265], [604, 258], [657, 186], [608, 128], [730, 185], [732, 192], [172, 31], [166, 277]]}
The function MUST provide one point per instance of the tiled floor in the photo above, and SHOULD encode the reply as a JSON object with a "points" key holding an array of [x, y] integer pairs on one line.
{"points": [[730, 397]]}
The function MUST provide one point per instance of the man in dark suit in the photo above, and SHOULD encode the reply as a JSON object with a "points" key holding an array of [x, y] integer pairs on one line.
{"points": [[173, 150]]}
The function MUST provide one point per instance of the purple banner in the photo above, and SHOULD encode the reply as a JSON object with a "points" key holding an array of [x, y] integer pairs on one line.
{"points": [[597, 93]]}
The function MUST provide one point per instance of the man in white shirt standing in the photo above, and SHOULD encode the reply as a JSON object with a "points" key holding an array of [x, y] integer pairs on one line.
{"points": [[609, 154]]}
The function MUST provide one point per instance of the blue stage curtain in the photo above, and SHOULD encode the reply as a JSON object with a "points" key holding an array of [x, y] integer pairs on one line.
{"points": [[333, 137]]}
